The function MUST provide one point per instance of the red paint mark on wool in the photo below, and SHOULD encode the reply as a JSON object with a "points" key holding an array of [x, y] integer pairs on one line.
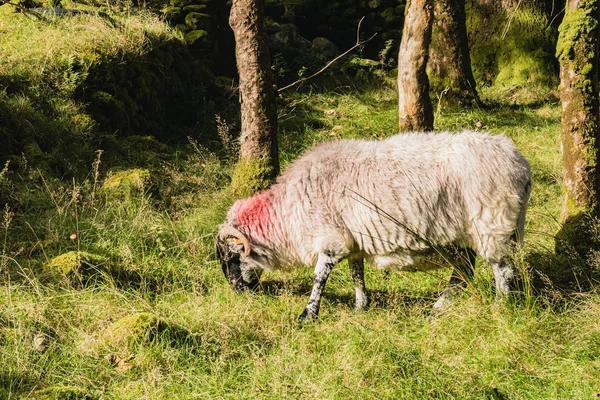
{"points": [[255, 215]]}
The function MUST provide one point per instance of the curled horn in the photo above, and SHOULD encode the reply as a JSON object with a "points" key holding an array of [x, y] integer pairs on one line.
{"points": [[230, 231]]}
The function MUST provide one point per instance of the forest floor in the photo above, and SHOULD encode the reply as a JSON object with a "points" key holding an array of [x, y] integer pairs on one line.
{"points": [[117, 294]]}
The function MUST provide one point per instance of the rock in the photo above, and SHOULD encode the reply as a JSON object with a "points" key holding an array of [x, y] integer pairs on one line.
{"points": [[70, 263], [197, 37], [174, 15], [325, 47], [195, 8], [183, 28], [363, 62], [133, 328], [197, 21], [139, 328], [288, 36]]}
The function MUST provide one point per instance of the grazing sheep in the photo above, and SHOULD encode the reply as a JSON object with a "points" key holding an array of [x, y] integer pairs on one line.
{"points": [[393, 202]]}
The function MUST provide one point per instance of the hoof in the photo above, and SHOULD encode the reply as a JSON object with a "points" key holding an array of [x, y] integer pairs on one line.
{"points": [[307, 316]]}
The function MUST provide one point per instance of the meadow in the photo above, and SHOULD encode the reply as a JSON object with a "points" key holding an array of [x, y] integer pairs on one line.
{"points": [[109, 286]]}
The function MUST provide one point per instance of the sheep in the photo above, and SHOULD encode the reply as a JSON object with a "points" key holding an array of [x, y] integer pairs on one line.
{"points": [[394, 202]]}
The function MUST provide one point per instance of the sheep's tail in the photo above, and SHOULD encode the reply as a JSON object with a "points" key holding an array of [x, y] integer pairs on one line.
{"points": [[520, 231]]}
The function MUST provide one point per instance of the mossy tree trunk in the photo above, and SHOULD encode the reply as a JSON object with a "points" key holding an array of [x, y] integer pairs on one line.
{"points": [[577, 52], [259, 163], [449, 59], [414, 104]]}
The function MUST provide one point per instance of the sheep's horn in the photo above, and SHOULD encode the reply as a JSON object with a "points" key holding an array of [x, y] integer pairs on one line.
{"points": [[229, 231]]}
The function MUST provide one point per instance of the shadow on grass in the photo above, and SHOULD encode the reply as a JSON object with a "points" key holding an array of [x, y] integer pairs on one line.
{"points": [[572, 268], [15, 385], [385, 299]]}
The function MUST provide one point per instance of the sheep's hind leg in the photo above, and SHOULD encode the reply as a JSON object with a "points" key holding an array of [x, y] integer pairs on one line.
{"points": [[357, 271], [461, 274], [324, 266]]}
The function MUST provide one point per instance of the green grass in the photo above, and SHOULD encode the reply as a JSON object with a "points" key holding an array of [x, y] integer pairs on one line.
{"points": [[149, 249]]}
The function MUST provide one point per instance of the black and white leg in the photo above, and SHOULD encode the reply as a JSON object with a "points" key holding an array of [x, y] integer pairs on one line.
{"points": [[325, 264], [357, 271], [461, 274]]}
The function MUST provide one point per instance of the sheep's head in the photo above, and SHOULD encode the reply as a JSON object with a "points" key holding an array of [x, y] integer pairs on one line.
{"points": [[233, 250]]}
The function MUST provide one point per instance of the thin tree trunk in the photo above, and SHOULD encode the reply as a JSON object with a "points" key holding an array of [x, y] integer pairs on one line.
{"points": [[577, 51], [416, 112], [449, 60], [259, 163]]}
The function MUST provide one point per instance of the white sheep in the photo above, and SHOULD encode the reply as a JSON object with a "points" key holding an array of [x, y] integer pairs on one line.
{"points": [[393, 202]]}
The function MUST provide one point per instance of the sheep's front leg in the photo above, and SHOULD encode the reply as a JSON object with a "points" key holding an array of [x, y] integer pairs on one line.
{"points": [[503, 275], [357, 271], [324, 266]]}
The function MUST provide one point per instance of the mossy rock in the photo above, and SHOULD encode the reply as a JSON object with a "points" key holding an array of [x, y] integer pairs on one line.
{"points": [[195, 8], [196, 21], [70, 263], [183, 28], [108, 110], [363, 62], [174, 15], [197, 37], [124, 184], [389, 16], [61, 393], [139, 328]]}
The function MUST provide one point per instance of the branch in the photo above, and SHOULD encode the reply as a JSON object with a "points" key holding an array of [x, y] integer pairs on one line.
{"points": [[24, 10], [358, 43]]}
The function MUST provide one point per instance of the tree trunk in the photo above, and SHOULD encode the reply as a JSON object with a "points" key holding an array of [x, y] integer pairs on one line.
{"points": [[258, 164], [449, 60], [416, 112], [577, 52]]}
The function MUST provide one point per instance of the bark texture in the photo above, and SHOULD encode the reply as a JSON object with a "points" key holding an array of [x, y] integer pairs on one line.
{"points": [[449, 59], [416, 112], [259, 163], [577, 51]]}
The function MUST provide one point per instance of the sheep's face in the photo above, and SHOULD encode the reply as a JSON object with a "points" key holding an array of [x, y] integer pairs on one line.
{"points": [[238, 271]]}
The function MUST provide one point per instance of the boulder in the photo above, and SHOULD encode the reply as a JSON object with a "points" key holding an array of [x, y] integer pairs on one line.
{"points": [[325, 47]]}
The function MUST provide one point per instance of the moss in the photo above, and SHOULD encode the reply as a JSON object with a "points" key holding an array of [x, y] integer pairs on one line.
{"points": [[183, 28], [124, 184], [61, 393], [70, 263], [196, 37], [195, 8], [577, 23], [526, 55], [108, 110], [197, 20], [133, 328], [389, 16], [139, 328], [363, 62], [511, 49], [251, 176]]}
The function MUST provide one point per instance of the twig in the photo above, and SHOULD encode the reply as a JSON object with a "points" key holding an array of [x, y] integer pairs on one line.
{"points": [[25, 10], [358, 43]]}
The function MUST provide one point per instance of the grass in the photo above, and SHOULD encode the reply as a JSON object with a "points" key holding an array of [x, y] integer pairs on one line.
{"points": [[148, 250]]}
